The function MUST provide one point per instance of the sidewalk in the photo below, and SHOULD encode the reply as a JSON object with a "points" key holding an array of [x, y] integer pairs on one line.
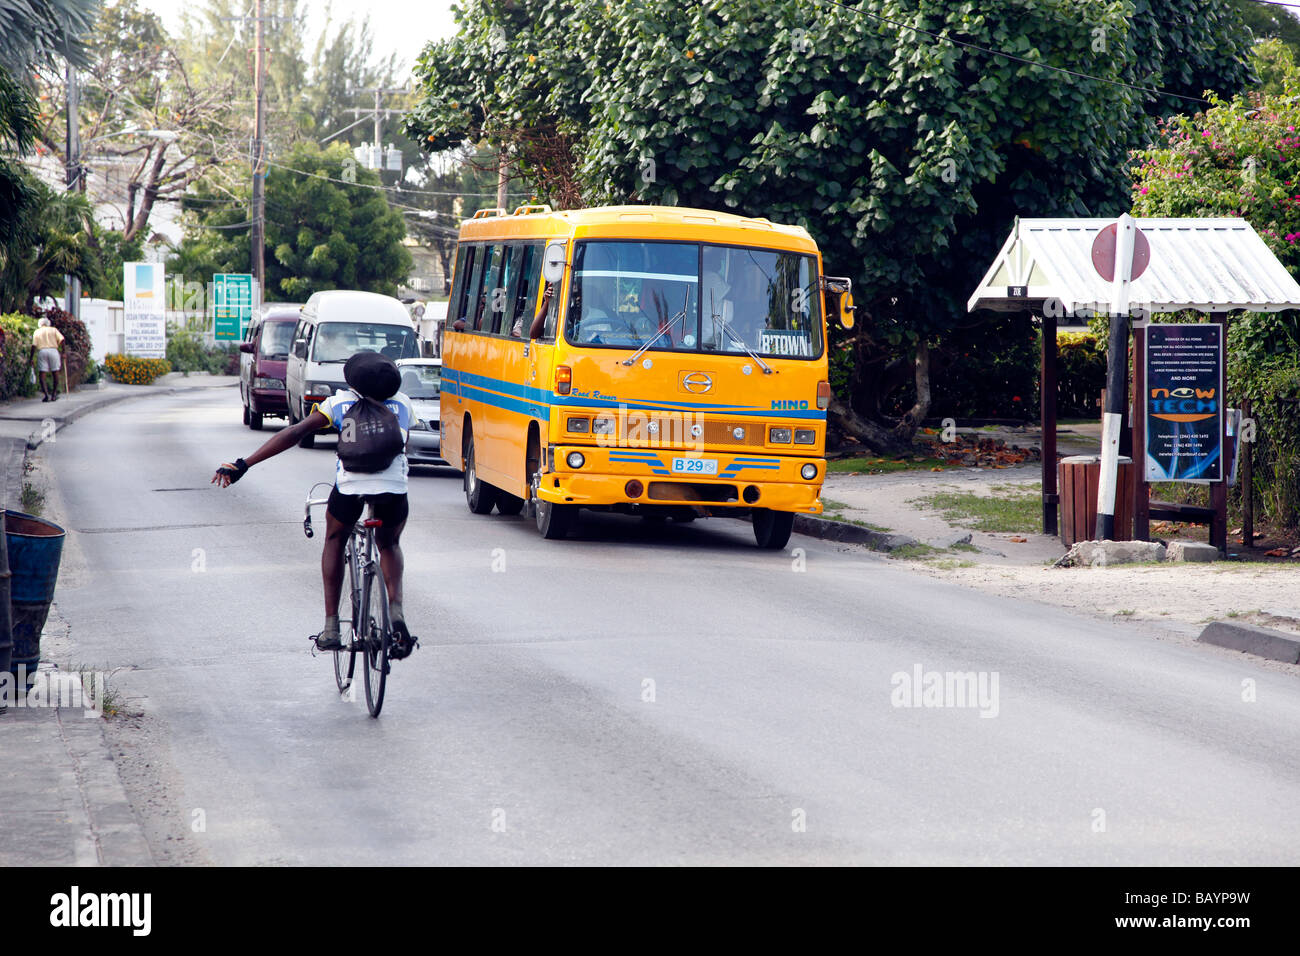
{"points": [[62, 802], [1016, 562]]}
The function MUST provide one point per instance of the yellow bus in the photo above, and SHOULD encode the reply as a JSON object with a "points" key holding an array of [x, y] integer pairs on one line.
{"points": [[662, 362]]}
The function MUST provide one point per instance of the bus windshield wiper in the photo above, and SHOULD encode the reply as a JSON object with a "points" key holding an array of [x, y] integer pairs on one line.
{"points": [[737, 340], [668, 327]]}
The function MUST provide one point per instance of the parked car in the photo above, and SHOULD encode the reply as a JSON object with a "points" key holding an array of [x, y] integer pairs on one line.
{"points": [[422, 384], [334, 326], [262, 362]]}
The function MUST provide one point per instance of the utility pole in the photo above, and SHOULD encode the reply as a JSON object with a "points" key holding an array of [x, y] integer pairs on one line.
{"points": [[259, 147], [72, 174], [378, 114]]}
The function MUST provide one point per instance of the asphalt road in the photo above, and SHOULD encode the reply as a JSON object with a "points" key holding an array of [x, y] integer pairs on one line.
{"points": [[638, 694]]}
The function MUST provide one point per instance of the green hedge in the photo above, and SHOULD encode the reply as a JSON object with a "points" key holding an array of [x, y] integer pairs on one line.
{"points": [[15, 356], [187, 351]]}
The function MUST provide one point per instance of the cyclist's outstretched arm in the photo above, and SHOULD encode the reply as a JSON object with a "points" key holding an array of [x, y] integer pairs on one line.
{"points": [[282, 440]]}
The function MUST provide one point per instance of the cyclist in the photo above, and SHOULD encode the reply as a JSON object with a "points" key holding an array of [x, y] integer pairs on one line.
{"points": [[374, 376]]}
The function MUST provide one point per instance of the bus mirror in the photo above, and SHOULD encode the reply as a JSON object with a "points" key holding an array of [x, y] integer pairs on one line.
{"points": [[553, 263], [846, 310]]}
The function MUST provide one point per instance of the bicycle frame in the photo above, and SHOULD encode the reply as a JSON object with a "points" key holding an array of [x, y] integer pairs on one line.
{"points": [[362, 554]]}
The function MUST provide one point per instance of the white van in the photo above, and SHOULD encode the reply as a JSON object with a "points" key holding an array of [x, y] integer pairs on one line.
{"points": [[334, 326]]}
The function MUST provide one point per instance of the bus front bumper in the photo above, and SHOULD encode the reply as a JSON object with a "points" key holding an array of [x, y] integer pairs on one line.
{"points": [[607, 476]]}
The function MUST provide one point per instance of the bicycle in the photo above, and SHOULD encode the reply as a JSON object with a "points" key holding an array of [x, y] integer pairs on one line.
{"points": [[368, 631]]}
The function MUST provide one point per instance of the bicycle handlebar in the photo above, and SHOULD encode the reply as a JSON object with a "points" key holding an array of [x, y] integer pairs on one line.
{"points": [[306, 511]]}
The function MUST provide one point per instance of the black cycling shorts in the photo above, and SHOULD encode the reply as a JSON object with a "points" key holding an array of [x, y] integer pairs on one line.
{"points": [[391, 509]]}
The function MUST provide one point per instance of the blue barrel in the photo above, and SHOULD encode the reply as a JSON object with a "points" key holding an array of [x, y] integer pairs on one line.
{"points": [[35, 547]]}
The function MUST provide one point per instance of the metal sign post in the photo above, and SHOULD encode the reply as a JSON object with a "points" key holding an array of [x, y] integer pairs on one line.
{"points": [[1122, 238]]}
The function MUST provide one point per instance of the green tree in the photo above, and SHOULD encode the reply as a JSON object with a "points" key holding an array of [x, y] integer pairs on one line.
{"points": [[888, 127], [43, 33], [328, 226], [56, 241], [1270, 22], [1241, 158]]}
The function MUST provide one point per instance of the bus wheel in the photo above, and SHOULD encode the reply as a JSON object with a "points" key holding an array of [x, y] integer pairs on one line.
{"points": [[553, 521], [772, 528], [508, 504], [479, 495]]}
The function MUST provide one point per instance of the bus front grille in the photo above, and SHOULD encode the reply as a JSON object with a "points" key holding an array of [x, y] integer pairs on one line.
{"points": [[686, 491]]}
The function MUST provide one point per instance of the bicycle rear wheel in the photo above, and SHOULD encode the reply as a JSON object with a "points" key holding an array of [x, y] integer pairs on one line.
{"points": [[377, 639], [350, 601]]}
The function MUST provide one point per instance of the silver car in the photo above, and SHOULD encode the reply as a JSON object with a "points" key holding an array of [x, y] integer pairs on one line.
{"points": [[421, 383]]}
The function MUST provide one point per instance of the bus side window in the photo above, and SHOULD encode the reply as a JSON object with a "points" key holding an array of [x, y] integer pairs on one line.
{"points": [[483, 289], [552, 316], [460, 271], [499, 293], [473, 276], [525, 291]]}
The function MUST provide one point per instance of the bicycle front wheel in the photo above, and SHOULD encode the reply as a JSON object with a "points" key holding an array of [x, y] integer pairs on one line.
{"points": [[377, 639], [350, 603]]}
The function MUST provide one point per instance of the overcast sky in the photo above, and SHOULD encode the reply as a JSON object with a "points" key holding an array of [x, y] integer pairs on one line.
{"points": [[402, 27]]}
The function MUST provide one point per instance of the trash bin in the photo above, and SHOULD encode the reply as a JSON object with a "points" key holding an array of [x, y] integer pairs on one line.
{"points": [[35, 547], [1078, 477]]}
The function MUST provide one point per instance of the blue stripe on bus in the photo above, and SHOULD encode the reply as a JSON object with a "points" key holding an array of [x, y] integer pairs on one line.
{"points": [[461, 380]]}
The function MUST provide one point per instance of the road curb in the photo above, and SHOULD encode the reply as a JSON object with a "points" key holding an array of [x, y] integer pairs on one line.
{"points": [[117, 834], [1259, 641], [829, 530]]}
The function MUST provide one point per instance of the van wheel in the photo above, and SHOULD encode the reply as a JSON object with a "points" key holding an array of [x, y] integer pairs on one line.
{"points": [[479, 495], [306, 441], [772, 528], [255, 421], [246, 416]]}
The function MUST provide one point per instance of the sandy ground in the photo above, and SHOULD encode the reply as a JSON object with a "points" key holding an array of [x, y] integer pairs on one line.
{"points": [[1180, 597]]}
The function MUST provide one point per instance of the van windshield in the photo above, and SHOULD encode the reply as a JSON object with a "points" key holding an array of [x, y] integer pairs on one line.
{"points": [[339, 341], [277, 338]]}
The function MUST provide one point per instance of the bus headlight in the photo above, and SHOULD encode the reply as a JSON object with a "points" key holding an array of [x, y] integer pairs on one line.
{"points": [[805, 436], [809, 471], [576, 459], [602, 426], [578, 425], [779, 436]]}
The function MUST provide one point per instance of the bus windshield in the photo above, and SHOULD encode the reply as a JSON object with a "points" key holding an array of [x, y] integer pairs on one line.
{"points": [[694, 297]]}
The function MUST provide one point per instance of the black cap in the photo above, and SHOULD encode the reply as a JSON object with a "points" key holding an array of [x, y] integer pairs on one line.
{"points": [[372, 375]]}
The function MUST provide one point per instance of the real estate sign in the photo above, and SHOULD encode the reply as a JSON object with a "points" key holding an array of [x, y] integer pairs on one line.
{"points": [[144, 309], [232, 304], [1184, 402]]}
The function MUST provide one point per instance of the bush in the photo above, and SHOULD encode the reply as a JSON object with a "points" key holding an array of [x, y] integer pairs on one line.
{"points": [[132, 370], [15, 356], [188, 352], [1080, 375], [76, 342]]}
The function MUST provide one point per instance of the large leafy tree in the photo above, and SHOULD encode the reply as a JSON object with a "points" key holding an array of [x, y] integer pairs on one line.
{"points": [[56, 241], [328, 226], [1241, 158], [905, 134], [137, 80]]}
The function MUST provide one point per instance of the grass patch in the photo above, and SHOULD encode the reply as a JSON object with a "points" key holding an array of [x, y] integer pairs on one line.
{"points": [[950, 564], [914, 552], [884, 466], [1010, 508], [965, 546], [32, 499], [857, 521], [829, 504], [99, 691]]}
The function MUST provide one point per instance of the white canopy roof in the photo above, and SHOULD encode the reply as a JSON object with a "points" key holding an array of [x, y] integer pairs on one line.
{"points": [[1210, 265]]}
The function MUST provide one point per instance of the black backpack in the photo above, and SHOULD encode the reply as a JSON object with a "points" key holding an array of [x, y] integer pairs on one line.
{"points": [[370, 437]]}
